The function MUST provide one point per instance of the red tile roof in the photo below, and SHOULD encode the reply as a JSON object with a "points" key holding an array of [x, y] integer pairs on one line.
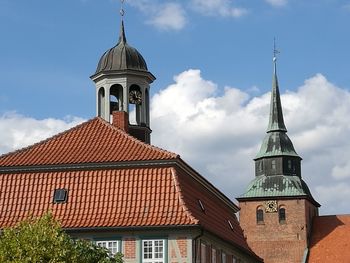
{"points": [[118, 198], [330, 241], [121, 197], [217, 215], [94, 141], [98, 198]]}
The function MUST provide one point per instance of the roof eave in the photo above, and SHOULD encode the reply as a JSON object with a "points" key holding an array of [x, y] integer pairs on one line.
{"points": [[106, 73]]}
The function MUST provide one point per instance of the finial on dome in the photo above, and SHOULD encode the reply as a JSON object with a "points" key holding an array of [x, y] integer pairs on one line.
{"points": [[122, 37], [122, 11]]}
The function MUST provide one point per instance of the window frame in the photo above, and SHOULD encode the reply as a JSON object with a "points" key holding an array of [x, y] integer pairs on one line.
{"points": [[164, 259], [273, 165], [280, 219], [60, 195], [213, 255], [203, 252], [260, 216], [118, 247]]}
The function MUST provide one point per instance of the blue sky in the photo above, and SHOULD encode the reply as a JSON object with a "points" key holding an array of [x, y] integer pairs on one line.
{"points": [[220, 50], [50, 48]]}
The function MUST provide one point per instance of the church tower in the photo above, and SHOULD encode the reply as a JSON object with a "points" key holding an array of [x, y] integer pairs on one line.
{"points": [[277, 208], [122, 83]]}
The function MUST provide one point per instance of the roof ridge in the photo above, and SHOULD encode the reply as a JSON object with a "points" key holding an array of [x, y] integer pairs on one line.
{"points": [[47, 139], [181, 199], [127, 135]]}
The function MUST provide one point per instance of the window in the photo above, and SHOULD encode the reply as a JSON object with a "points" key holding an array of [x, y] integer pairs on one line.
{"points": [[213, 255], [289, 164], [273, 164], [260, 216], [153, 251], [201, 205], [60, 196], [234, 259], [223, 257], [282, 215], [111, 245], [230, 224], [260, 166], [203, 253]]}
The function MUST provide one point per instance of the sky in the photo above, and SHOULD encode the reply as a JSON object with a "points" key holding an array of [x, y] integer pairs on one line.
{"points": [[213, 63]]}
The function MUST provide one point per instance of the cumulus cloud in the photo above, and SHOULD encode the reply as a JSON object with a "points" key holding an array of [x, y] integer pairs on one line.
{"points": [[217, 7], [170, 16], [164, 16], [17, 131], [220, 133], [277, 3]]}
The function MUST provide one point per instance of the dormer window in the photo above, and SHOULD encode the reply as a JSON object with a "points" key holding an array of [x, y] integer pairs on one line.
{"points": [[60, 196], [201, 205]]}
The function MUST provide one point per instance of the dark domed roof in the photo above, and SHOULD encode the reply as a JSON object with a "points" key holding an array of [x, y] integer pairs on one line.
{"points": [[121, 57]]}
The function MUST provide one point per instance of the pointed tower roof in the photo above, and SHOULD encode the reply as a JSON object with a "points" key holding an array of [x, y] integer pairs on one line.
{"points": [[276, 141], [276, 122]]}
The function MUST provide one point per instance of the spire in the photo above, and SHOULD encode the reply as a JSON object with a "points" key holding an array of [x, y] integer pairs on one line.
{"points": [[122, 37], [276, 122]]}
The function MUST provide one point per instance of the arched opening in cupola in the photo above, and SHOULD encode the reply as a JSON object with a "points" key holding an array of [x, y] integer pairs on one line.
{"points": [[101, 102]]}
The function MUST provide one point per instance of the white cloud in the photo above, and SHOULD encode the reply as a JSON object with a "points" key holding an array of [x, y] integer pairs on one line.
{"points": [[164, 16], [277, 3], [170, 16], [17, 131], [217, 7], [219, 135]]}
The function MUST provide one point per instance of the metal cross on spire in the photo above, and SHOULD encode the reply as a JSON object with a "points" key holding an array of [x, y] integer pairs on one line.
{"points": [[275, 53], [122, 11]]}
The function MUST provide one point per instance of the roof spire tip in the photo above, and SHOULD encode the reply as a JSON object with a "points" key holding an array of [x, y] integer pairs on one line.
{"points": [[275, 53], [122, 37]]}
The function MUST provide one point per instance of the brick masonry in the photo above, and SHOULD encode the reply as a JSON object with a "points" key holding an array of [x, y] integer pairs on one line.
{"points": [[129, 248], [278, 242]]}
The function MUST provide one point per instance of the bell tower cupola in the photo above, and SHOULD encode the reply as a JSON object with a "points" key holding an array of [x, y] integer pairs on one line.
{"points": [[122, 83]]}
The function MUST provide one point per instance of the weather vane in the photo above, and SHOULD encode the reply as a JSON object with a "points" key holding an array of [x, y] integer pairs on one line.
{"points": [[275, 51], [122, 12]]}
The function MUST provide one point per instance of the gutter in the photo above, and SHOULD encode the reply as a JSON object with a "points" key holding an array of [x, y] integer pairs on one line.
{"points": [[131, 228]]}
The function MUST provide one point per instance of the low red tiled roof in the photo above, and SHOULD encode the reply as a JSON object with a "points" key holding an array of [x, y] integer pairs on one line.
{"points": [[330, 240], [217, 215], [94, 141], [98, 198], [118, 198]]}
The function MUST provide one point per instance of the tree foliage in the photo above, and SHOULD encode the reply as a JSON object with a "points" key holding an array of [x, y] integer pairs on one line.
{"points": [[43, 240]]}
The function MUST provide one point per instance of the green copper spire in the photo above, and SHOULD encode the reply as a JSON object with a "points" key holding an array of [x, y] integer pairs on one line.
{"points": [[276, 141], [277, 165], [276, 122]]}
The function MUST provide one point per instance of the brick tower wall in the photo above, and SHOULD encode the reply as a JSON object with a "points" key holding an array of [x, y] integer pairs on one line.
{"points": [[278, 242]]}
